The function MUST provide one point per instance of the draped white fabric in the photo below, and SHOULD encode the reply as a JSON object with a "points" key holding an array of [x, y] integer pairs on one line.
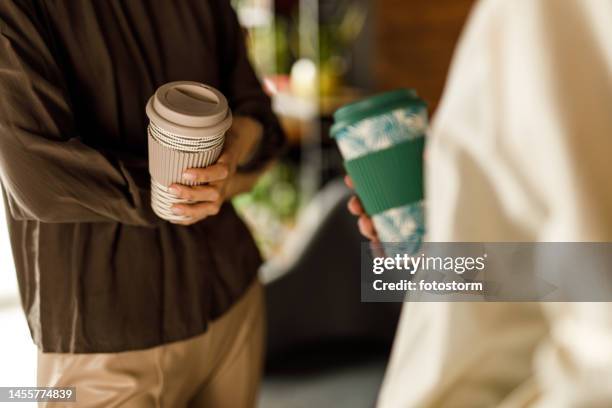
{"points": [[520, 150]]}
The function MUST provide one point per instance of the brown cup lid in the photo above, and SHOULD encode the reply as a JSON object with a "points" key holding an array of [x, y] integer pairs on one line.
{"points": [[189, 109]]}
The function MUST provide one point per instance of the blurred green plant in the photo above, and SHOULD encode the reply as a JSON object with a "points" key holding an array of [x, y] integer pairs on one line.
{"points": [[276, 189], [270, 208], [283, 55], [257, 17], [279, 42], [329, 39]]}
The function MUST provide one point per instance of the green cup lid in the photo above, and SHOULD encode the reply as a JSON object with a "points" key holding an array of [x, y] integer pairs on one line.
{"points": [[374, 106]]}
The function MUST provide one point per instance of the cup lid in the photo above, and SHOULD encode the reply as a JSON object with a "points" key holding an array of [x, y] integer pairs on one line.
{"points": [[189, 109], [373, 106]]}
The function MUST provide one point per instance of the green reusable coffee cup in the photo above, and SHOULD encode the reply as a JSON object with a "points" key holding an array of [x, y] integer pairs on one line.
{"points": [[381, 139]]}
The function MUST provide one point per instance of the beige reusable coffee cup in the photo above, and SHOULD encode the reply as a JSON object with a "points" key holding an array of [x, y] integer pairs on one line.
{"points": [[187, 125]]}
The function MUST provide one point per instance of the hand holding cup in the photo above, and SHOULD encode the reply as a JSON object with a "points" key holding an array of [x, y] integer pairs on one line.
{"points": [[206, 189], [381, 139], [364, 222], [187, 126]]}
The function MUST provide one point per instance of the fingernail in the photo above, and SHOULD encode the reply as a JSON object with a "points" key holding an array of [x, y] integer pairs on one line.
{"points": [[177, 210], [173, 190], [189, 176]]}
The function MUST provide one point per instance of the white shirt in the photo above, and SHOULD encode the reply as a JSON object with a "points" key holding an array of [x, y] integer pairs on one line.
{"points": [[520, 150]]}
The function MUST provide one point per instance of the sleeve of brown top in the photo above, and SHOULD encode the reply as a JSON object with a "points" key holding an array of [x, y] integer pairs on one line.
{"points": [[241, 86], [48, 173]]}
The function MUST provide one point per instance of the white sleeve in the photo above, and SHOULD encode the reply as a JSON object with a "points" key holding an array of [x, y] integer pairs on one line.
{"points": [[520, 147], [520, 150]]}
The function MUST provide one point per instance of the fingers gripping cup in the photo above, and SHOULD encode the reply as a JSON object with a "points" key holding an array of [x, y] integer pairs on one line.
{"points": [[187, 125], [381, 140]]}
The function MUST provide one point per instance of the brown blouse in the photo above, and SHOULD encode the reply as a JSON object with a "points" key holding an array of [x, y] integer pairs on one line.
{"points": [[98, 271]]}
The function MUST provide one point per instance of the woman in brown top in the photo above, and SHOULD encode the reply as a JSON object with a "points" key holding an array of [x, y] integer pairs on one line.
{"points": [[99, 274]]}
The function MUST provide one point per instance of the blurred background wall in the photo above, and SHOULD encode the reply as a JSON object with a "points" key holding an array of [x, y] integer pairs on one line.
{"points": [[414, 42]]}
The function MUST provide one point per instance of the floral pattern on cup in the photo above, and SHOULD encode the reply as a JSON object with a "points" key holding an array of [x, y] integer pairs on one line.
{"points": [[401, 224]]}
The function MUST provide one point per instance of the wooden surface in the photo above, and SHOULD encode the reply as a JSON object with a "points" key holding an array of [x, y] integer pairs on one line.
{"points": [[414, 43]]}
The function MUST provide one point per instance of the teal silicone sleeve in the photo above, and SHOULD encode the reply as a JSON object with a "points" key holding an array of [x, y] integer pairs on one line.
{"points": [[389, 178]]}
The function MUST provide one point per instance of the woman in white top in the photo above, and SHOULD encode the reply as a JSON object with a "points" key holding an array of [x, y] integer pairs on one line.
{"points": [[519, 150]]}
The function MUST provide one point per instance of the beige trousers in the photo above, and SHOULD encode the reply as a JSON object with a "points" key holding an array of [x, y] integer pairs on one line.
{"points": [[220, 368]]}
